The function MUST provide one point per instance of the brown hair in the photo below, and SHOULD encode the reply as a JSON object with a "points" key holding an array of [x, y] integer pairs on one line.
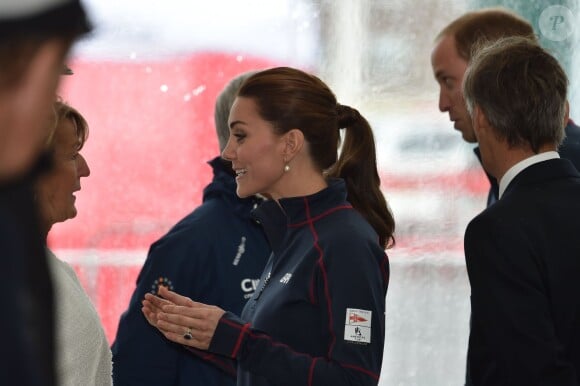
{"points": [[521, 89], [485, 25], [64, 111], [289, 98]]}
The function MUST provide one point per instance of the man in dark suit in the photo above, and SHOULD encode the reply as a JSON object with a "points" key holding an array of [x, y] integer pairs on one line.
{"points": [[452, 52], [523, 252]]}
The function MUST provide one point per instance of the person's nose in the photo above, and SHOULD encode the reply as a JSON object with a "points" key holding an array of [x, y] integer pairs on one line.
{"points": [[228, 153], [444, 103], [83, 167]]}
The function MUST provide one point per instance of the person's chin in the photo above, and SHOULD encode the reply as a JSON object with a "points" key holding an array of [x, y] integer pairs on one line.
{"points": [[458, 125], [242, 193], [466, 133], [468, 137], [72, 213], [245, 192]]}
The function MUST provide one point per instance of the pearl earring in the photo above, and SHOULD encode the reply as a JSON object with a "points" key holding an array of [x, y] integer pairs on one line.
{"points": [[286, 168]]}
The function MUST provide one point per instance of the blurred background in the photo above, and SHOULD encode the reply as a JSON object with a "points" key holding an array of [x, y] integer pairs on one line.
{"points": [[146, 80]]}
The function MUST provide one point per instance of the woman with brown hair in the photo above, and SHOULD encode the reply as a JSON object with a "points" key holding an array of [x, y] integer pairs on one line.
{"points": [[318, 314], [82, 354]]}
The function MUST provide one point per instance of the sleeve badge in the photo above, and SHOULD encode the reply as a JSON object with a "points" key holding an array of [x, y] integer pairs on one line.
{"points": [[357, 327]]}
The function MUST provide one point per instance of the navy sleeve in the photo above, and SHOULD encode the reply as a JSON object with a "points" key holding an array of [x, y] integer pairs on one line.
{"points": [[350, 284], [222, 362], [141, 354], [570, 148], [512, 336]]}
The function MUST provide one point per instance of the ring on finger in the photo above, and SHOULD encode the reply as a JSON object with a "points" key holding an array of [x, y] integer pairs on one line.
{"points": [[188, 335]]}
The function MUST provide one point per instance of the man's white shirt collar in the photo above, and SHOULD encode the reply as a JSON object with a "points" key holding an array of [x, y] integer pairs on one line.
{"points": [[517, 168]]}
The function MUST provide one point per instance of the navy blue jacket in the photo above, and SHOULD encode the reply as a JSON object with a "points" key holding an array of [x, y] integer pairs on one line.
{"points": [[570, 148], [27, 350], [214, 255], [318, 318]]}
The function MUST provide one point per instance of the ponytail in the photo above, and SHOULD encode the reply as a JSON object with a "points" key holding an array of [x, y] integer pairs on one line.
{"points": [[357, 165], [289, 98]]}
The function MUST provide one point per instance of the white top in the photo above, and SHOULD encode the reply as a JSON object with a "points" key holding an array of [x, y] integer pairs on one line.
{"points": [[517, 168], [83, 356]]}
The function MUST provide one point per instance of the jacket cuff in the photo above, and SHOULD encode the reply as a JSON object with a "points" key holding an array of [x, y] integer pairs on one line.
{"points": [[229, 336], [225, 364]]}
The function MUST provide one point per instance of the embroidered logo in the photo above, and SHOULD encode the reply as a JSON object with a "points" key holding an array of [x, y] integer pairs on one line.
{"points": [[241, 250], [161, 281], [249, 286], [357, 327], [286, 278]]}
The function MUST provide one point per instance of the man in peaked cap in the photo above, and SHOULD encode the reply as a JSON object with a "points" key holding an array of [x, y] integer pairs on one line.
{"points": [[35, 37]]}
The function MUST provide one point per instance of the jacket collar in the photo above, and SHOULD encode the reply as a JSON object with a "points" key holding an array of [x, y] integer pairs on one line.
{"points": [[224, 185], [542, 172], [277, 216]]}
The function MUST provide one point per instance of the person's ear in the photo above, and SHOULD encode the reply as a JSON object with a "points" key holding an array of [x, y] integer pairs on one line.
{"points": [[480, 122], [293, 143]]}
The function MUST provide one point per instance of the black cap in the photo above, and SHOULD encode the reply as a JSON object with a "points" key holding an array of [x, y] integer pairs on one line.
{"points": [[45, 18]]}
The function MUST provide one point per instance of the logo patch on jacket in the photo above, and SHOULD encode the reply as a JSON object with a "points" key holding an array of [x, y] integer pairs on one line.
{"points": [[241, 250], [161, 281], [286, 278], [249, 286], [357, 327]]}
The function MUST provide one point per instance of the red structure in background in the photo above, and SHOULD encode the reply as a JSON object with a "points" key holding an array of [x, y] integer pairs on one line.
{"points": [[151, 132]]}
